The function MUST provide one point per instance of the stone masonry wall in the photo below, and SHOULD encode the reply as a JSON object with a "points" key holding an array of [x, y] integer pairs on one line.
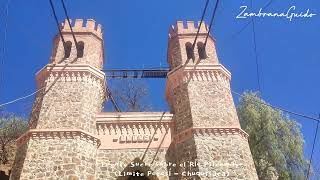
{"points": [[212, 104], [174, 54], [18, 162], [110, 163], [218, 157], [181, 108], [203, 104], [230, 154], [68, 105], [55, 159], [185, 152]]}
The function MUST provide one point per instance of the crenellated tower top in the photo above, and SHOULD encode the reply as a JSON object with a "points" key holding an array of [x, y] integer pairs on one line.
{"points": [[183, 51], [89, 49], [79, 27], [187, 28]]}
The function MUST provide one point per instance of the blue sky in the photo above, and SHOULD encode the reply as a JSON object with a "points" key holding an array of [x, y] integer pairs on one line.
{"points": [[135, 34]]}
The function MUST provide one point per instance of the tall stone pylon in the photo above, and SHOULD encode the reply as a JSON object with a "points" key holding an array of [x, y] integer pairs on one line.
{"points": [[61, 142], [207, 138]]}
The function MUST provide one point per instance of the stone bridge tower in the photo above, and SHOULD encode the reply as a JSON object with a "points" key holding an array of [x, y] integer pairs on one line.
{"points": [[61, 141], [207, 128]]}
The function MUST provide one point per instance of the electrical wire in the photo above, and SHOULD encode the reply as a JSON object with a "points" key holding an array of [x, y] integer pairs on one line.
{"points": [[255, 50], [113, 101], [281, 109], [202, 17], [68, 19], [249, 22], [313, 145], [211, 22], [21, 98], [58, 25], [234, 92], [3, 53]]}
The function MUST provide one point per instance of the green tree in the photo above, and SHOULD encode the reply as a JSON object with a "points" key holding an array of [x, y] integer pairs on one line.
{"points": [[275, 141], [11, 127]]}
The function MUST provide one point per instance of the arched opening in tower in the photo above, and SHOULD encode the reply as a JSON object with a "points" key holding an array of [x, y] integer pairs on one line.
{"points": [[202, 50], [67, 50], [189, 50], [80, 48]]}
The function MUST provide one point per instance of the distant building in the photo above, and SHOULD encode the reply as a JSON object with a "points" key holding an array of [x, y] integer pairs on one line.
{"points": [[71, 138]]}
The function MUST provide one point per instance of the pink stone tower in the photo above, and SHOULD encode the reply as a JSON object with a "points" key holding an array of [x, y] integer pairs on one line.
{"points": [[61, 141], [207, 128]]}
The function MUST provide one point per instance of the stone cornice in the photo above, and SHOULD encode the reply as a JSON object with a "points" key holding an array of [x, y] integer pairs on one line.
{"points": [[79, 72], [215, 131], [132, 126], [190, 68], [71, 73], [57, 134], [199, 72], [136, 116], [126, 122], [72, 67]]}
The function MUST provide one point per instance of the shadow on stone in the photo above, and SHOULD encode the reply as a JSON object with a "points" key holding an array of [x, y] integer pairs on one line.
{"points": [[18, 162], [3, 176]]}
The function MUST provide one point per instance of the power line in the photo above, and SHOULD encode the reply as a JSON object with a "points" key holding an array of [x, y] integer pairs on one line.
{"points": [[317, 166], [249, 22], [203, 14], [4, 43], [211, 22], [155, 155], [272, 106], [113, 101], [314, 142], [58, 25], [18, 99], [29, 95], [68, 19], [255, 50], [154, 133], [280, 108]]}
